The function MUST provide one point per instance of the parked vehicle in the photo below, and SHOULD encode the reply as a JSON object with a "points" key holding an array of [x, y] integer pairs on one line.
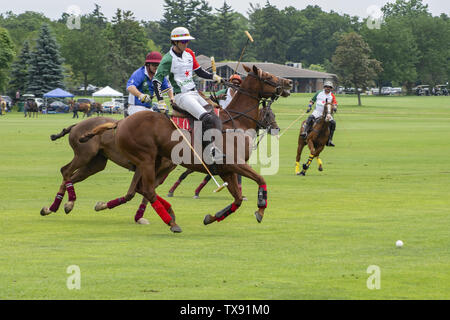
{"points": [[422, 90], [8, 101], [113, 106], [85, 100], [57, 107]]}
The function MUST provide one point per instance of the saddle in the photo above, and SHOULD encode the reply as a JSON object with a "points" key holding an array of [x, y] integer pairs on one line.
{"points": [[184, 120]]}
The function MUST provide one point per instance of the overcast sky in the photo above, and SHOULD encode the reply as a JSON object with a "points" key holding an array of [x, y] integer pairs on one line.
{"points": [[153, 9]]}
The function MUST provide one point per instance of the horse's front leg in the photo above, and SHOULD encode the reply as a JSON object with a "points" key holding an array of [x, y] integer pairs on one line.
{"points": [[247, 171], [310, 159], [301, 144], [121, 200], [233, 188]]}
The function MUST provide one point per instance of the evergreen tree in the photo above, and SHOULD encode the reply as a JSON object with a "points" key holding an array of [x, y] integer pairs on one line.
{"points": [[225, 31], [6, 57], [45, 72], [19, 71]]}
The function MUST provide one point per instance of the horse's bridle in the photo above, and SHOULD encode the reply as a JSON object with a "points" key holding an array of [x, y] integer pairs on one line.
{"points": [[266, 102]]}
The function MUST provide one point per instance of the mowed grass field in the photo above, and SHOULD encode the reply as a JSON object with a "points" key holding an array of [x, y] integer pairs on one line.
{"points": [[387, 179]]}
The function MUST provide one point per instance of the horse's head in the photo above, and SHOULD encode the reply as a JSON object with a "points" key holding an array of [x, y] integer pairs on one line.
{"points": [[266, 85], [328, 111], [267, 120]]}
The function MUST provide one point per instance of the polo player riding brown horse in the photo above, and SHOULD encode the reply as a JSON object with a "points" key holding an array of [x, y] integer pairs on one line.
{"points": [[145, 138], [316, 139], [91, 157]]}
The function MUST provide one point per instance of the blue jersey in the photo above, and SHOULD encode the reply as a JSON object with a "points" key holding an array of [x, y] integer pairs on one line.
{"points": [[143, 83]]}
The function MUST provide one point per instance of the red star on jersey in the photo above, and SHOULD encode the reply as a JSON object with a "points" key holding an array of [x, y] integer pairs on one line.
{"points": [[187, 73]]}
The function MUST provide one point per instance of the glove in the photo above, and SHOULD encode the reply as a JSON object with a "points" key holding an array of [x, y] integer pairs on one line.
{"points": [[309, 108], [217, 78], [145, 98], [162, 107]]}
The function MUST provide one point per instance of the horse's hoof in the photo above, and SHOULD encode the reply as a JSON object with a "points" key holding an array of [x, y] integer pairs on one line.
{"points": [[208, 219], [258, 216], [244, 198], [100, 206], [45, 211], [142, 221], [302, 174], [320, 168], [68, 207], [170, 194], [176, 229], [196, 196]]}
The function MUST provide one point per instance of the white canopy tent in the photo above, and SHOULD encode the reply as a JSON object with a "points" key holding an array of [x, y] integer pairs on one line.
{"points": [[107, 92]]}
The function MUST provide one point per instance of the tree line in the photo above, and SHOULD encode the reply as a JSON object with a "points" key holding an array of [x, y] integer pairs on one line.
{"points": [[410, 46]]}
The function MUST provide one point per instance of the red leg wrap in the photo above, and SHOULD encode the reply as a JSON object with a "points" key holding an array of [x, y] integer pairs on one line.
{"points": [[116, 202], [166, 205], [71, 191], [55, 205], [140, 212], [161, 211]]}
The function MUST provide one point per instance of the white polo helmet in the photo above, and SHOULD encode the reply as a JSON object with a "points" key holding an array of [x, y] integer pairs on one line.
{"points": [[180, 33], [328, 83]]}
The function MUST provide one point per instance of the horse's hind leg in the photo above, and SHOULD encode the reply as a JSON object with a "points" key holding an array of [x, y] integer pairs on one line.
{"points": [[233, 188], [148, 190]]}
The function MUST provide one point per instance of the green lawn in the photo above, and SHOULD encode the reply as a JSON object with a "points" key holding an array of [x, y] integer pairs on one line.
{"points": [[387, 179]]}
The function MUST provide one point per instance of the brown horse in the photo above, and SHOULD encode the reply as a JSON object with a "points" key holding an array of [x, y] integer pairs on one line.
{"points": [[32, 108], [316, 139], [144, 138], [266, 121], [83, 107], [89, 159], [97, 108]]}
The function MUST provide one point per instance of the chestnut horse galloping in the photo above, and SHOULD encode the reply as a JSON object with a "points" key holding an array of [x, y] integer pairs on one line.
{"points": [[316, 139], [144, 139]]}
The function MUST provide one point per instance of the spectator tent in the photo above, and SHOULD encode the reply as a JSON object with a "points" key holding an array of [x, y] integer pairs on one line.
{"points": [[58, 93], [107, 92]]}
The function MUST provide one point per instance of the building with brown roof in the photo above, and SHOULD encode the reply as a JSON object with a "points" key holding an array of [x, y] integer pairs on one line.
{"points": [[304, 80]]}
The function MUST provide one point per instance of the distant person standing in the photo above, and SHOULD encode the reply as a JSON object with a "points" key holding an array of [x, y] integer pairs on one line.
{"points": [[2, 107]]}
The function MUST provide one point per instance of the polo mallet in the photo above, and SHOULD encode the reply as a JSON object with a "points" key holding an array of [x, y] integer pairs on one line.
{"points": [[219, 187], [249, 38], [285, 130]]}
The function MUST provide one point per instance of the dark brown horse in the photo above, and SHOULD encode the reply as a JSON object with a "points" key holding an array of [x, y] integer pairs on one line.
{"points": [[97, 108], [83, 107], [145, 138], [32, 108], [316, 139]]}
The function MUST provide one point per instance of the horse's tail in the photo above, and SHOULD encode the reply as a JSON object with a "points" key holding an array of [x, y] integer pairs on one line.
{"points": [[98, 131], [62, 133]]}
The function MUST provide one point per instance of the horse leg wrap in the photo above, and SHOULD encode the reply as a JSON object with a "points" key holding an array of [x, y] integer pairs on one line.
{"points": [[177, 183], [262, 197], [222, 214], [116, 202], [140, 212], [55, 205], [201, 186], [161, 211], [165, 204], [71, 191]]}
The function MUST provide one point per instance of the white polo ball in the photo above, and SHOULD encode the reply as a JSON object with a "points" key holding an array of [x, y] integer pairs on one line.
{"points": [[399, 243]]}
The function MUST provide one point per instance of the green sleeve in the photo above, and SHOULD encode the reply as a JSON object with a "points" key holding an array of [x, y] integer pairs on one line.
{"points": [[163, 68], [223, 91], [315, 97]]}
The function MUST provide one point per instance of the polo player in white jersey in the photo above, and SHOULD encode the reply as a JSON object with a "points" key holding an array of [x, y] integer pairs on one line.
{"points": [[320, 99]]}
